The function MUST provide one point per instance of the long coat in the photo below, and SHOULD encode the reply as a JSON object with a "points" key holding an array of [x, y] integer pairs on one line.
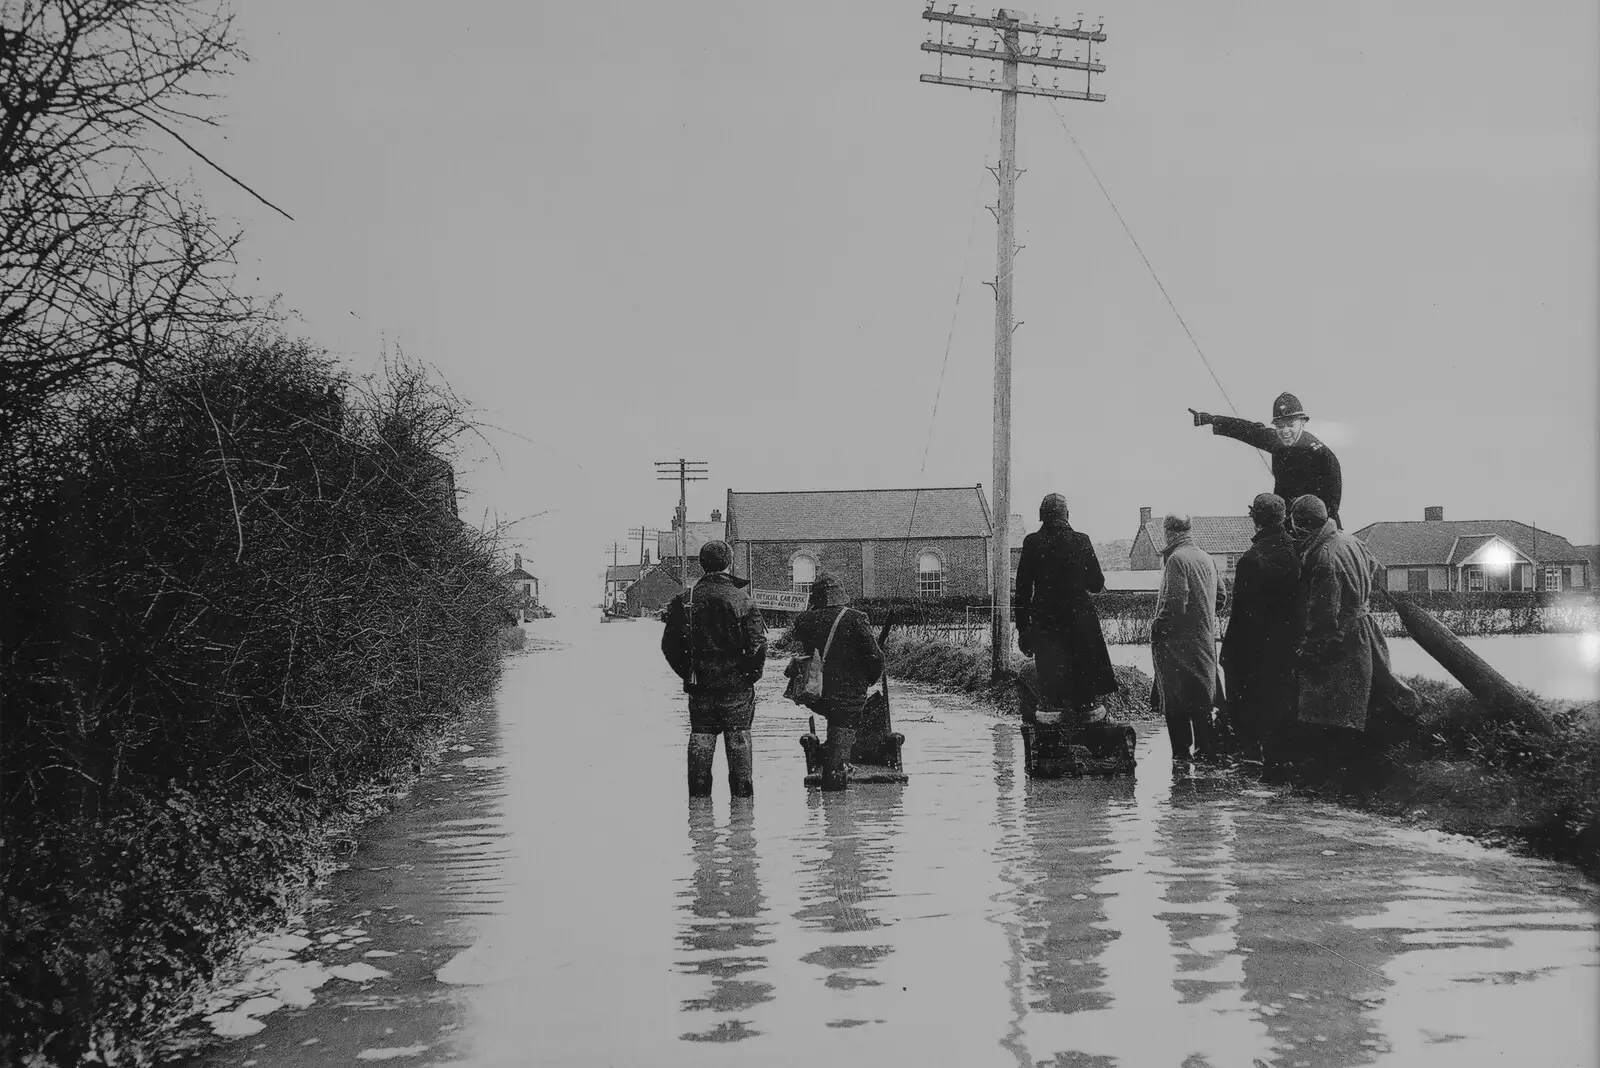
{"points": [[1258, 652], [1307, 466], [1343, 653], [1056, 575], [1183, 641]]}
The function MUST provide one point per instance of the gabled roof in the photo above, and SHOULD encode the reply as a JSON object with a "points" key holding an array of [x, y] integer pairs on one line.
{"points": [[1397, 544], [516, 574], [622, 573], [1212, 533], [868, 515]]}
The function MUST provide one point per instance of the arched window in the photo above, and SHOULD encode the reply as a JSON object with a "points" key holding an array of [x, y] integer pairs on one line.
{"points": [[803, 572], [930, 575]]}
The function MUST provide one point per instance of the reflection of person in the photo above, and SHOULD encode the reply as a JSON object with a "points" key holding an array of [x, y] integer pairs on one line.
{"points": [[1300, 463], [1258, 652], [715, 640], [1056, 621], [1183, 641], [1343, 664], [852, 664], [727, 901]]}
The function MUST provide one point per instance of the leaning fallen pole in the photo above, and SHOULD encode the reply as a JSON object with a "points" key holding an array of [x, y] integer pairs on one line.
{"points": [[1491, 688]]}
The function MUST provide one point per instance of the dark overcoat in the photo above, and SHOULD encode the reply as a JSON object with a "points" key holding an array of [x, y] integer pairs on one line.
{"points": [[1307, 466], [1056, 576], [1343, 650], [1258, 652]]}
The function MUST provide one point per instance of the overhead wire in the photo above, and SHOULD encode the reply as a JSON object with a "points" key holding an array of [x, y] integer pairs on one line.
{"points": [[1148, 265]]}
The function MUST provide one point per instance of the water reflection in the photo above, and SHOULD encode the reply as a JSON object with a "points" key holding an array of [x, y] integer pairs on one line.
{"points": [[725, 903], [845, 874]]}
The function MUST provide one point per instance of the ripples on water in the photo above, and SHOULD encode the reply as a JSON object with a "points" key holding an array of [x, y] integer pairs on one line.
{"points": [[976, 917]]}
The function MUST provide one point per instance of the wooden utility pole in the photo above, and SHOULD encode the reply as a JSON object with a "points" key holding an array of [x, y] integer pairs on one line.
{"points": [[611, 576], [1010, 52], [687, 471], [642, 532]]}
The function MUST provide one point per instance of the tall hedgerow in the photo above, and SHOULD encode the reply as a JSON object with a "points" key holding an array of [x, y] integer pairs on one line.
{"points": [[243, 593]]}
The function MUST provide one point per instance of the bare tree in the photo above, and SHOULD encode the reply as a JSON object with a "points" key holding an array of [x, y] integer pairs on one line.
{"points": [[106, 264]]}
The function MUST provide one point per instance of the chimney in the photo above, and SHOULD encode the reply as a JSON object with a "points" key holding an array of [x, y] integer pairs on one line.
{"points": [[518, 565], [1144, 516], [716, 515], [647, 558], [1434, 513]]}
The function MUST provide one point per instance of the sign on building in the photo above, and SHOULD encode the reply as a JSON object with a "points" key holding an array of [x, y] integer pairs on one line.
{"points": [[781, 600]]}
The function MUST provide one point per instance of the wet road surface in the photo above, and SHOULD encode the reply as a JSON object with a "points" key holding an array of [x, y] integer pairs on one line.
{"points": [[548, 895]]}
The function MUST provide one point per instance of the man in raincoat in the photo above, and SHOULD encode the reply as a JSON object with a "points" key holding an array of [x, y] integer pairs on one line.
{"points": [[1300, 463], [1056, 621], [1258, 652], [716, 641], [852, 664], [1343, 664], [1183, 642]]}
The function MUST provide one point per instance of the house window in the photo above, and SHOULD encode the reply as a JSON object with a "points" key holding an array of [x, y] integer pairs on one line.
{"points": [[1417, 580], [1552, 578], [803, 572], [930, 575], [1474, 579], [1576, 577]]}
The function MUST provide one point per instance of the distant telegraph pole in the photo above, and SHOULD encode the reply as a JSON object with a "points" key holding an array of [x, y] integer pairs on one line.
{"points": [[685, 472], [611, 576], [642, 532], [1007, 49]]}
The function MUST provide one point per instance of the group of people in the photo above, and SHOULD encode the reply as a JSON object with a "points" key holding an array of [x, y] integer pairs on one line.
{"points": [[1303, 660], [1301, 664], [715, 639]]}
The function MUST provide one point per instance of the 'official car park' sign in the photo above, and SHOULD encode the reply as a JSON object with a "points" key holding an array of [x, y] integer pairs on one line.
{"points": [[780, 600]]}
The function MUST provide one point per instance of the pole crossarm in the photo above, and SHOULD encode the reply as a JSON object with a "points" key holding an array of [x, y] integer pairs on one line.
{"points": [[1075, 32], [1025, 90], [1022, 57]]}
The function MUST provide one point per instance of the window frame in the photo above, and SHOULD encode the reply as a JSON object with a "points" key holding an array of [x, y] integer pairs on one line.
{"points": [[930, 584], [794, 583]]}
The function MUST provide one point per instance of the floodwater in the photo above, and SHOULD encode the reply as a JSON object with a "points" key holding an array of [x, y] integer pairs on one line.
{"points": [[550, 896], [1557, 666]]}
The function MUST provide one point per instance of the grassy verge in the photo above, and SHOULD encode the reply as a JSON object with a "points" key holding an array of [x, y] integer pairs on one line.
{"points": [[965, 669], [1455, 768]]}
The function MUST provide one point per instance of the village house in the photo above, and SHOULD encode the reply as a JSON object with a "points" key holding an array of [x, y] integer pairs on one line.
{"points": [[1474, 555], [931, 543], [650, 594], [618, 578], [1224, 537], [524, 589], [695, 533]]}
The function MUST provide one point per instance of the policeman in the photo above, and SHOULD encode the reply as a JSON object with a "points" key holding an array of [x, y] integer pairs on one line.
{"points": [[1300, 463]]}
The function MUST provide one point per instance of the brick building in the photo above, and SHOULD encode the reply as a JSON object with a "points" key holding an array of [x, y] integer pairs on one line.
{"points": [[1224, 537], [651, 593], [1474, 555], [878, 543]]}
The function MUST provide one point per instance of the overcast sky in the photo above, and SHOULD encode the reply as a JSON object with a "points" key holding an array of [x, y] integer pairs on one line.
{"points": [[737, 233]]}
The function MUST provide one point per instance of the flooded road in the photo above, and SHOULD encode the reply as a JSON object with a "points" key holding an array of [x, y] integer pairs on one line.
{"points": [[550, 896]]}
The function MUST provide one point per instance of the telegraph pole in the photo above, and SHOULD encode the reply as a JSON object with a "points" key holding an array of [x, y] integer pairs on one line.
{"points": [[611, 580], [687, 471], [1007, 49], [642, 532]]}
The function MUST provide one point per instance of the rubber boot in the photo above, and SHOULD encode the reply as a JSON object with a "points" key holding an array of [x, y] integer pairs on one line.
{"points": [[835, 755], [702, 748], [741, 764]]}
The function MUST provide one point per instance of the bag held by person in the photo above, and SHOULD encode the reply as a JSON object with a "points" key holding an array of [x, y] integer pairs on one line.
{"points": [[805, 672]]}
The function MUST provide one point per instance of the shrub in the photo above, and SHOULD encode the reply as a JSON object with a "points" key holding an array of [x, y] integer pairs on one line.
{"points": [[243, 593]]}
